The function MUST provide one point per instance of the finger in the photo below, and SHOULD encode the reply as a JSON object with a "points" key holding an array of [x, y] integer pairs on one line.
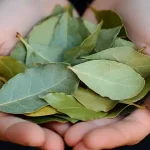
{"points": [[135, 17], [19, 131], [60, 128], [129, 131], [52, 141], [76, 133]]}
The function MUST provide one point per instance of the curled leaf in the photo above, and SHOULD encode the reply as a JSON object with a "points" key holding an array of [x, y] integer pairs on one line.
{"points": [[68, 105], [9, 67], [45, 111]]}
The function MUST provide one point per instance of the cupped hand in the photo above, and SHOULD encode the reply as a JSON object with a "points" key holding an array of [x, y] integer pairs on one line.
{"points": [[110, 133], [21, 16]]}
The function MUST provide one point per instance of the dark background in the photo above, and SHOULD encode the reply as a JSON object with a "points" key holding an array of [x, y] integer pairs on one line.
{"points": [[80, 5]]}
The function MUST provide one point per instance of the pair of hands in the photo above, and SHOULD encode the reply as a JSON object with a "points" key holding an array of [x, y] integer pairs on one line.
{"points": [[21, 16]]}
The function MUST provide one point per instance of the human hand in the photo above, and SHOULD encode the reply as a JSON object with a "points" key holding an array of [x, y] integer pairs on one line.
{"points": [[110, 133], [21, 16]]}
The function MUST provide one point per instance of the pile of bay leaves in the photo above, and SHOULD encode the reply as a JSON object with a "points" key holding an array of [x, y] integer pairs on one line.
{"points": [[68, 70]]}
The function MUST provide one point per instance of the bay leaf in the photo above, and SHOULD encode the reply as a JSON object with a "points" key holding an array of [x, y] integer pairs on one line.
{"points": [[90, 26], [69, 32], [42, 33], [117, 111], [21, 94], [39, 53], [67, 118], [9, 67], [19, 52], [110, 18], [126, 55], [106, 38], [110, 79], [45, 119], [45, 111], [142, 94], [86, 47], [94, 101], [123, 43], [68, 105]]}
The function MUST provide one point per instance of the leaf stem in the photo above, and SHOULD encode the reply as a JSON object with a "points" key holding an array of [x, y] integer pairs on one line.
{"points": [[142, 49]]}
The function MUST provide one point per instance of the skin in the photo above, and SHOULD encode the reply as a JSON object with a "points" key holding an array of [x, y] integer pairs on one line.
{"points": [[21, 16]]}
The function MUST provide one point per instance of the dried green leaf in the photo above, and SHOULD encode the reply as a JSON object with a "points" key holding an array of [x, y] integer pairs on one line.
{"points": [[117, 111], [94, 101], [21, 94], [68, 105], [45, 111], [45, 119], [123, 43], [39, 53], [85, 48], [67, 118], [106, 38], [43, 32], [19, 52], [142, 94], [127, 55], [69, 32], [90, 26], [111, 19], [108, 77], [9, 67]]}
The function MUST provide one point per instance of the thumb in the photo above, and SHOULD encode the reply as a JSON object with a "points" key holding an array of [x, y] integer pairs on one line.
{"points": [[135, 17]]}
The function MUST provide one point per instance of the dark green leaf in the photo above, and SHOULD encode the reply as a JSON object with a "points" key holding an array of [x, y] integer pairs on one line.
{"points": [[108, 77], [94, 101], [111, 19], [21, 94], [9, 67], [68, 105]]}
